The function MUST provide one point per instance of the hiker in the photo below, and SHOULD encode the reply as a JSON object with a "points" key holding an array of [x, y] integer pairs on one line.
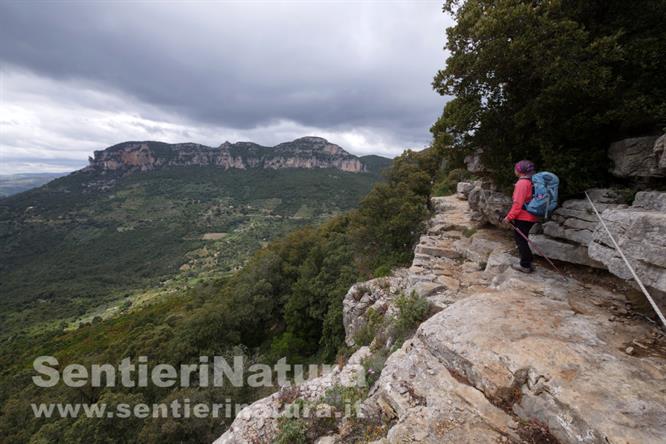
{"points": [[519, 217]]}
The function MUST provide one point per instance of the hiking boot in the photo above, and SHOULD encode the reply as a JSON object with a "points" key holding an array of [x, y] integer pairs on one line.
{"points": [[522, 269]]}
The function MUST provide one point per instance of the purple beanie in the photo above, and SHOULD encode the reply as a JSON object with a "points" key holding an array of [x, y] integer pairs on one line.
{"points": [[525, 167]]}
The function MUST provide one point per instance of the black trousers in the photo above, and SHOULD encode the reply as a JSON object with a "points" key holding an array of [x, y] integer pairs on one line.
{"points": [[526, 256]]}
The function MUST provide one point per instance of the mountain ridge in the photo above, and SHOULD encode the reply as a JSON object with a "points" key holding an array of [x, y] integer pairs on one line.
{"points": [[306, 152]]}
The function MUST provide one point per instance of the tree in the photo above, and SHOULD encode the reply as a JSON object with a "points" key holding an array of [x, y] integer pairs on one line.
{"points": [[552, 80]]}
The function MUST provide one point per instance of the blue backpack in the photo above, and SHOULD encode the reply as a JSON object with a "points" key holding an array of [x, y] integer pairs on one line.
{"points": [[544, 194]]}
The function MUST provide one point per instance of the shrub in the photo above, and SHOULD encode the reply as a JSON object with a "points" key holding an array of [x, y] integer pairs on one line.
{"points": [[412, 310], [340, 396], [382, 271], [292, 431], [373, 365], [469, 232], [367, 332], [448, 181]]}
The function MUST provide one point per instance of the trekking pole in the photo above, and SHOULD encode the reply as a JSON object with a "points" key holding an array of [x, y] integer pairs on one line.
{"points": [[538, 250], [631, 269]]}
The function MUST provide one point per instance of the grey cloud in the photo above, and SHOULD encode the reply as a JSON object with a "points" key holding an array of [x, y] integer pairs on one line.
{"points": [[327, 65]]}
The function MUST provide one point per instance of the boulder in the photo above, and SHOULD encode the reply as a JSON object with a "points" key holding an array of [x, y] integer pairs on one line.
{"points": [[488, 205], [650, 200], [463, 189], [637, 157]]}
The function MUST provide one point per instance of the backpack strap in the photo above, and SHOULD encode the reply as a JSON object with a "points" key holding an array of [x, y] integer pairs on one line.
{"points": [[530, 179]]}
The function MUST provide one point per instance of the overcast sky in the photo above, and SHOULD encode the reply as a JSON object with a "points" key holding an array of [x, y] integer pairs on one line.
{"points": [[81, 76]]}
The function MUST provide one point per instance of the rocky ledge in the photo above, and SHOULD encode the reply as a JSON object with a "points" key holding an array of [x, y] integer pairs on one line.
{"points": [[503, 357]]}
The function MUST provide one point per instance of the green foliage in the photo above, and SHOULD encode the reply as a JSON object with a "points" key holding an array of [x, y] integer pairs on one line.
{"points": [[373, 365], [342, 397], [412, 310], [292, 431], [369, 330], [390, 218], [447, 183], [382, 271], [552, 81]]}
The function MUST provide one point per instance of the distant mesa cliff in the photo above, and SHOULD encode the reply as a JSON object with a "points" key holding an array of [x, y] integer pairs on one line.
{"points": [[306, 152]]}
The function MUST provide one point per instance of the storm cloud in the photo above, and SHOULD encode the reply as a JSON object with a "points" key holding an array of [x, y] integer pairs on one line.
{"points": [[81, 76]]}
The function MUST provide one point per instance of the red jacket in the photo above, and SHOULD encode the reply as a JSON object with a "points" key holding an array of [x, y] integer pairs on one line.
{"points": [[522, 193]]}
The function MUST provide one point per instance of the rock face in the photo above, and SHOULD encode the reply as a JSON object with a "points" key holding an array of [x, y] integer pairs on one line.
{"points": [[508, 357], [660, 151], [306, 152], [463, 189], [575, 235], [487, 204], [568, 233], [492, 362], [638, 157], [375, 295], [640, 230]]}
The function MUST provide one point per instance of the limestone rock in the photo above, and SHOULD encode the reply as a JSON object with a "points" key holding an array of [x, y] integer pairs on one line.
{"points": [[518, 342], [641, 234], [488, 205], [650, 200], [306, 152], [376, 294], [569, 232], [463, 189], [564, 251], [636, 157], [432, 405], [605, 195], [660, 151]]}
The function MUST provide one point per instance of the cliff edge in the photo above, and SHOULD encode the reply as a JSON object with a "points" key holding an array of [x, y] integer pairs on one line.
{"points": [[502, 357], [306, 152]]}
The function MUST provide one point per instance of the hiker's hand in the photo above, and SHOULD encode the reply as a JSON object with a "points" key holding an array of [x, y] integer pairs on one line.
{"points": [[506, 221]]}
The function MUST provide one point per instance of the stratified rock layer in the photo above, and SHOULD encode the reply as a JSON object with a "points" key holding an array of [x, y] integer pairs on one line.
{"points": [[306, 152], [638, 157], [640, 231], [569, 231]]}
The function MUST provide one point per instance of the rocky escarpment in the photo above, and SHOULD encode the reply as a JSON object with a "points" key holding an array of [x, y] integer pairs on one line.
{"points": [[568, 233], [640, 230], [503, 357], [640, 157], [306, 152]]}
